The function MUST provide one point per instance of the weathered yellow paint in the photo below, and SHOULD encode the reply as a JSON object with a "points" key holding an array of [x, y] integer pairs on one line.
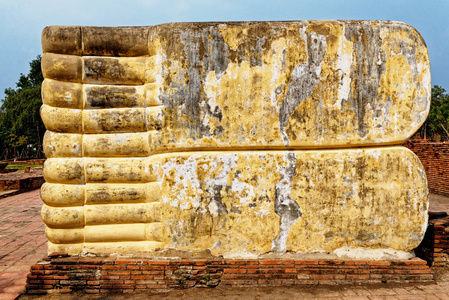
{"points": [[62, 67], [117, 96], [310, 84], [219, 136], [60, 170], [63, 217], [62, 194], [62, 39], [101, 170], [116, 145], [122, 193], [70, 249], [128, 41], [123, 232], [219, 198], [121, 247], [122, 213], [114, 120], [65, 236], [62, 119], [119, 170], [62, 94], [62, 144], [113, 70], [374, 197]]}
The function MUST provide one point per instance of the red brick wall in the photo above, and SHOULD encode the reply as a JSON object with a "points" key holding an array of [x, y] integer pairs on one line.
{"points": [[435, 159], [435, 246], [37, 161], [106, 275], [441, 246], [29, 183]]}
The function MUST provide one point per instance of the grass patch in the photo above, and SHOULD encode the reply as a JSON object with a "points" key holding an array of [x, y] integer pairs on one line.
{"points": [[21, 167]]}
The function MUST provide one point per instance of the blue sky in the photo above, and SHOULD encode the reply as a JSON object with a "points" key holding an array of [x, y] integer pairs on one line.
{"points": [[22, 21]]}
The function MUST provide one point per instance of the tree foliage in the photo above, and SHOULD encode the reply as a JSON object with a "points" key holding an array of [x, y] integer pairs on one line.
{"points": [[20, 124], [436, 127]]}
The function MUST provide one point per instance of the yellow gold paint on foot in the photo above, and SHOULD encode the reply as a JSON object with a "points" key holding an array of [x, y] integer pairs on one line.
{"points": [[219, 136]]}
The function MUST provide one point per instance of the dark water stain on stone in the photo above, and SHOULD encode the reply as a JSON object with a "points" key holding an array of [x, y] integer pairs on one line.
{"points": [[366, 71], [284, 206], [199, 52], [98, 68], [111, 96], [303, 79], [216, 199]]}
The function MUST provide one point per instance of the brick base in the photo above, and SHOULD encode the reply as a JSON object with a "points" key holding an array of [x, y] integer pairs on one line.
{"points": [[435, 246], [105, 275], [22, 181], [435, 159], [30, 183], [34, 161]]}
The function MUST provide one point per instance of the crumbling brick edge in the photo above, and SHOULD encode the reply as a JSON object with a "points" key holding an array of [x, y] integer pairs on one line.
{"points": [[132, 275], [435, 158], [435, 246], [22, 184]]}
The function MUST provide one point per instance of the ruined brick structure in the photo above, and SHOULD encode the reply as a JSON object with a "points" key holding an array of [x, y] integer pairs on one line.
{"points": [[435, 159]]}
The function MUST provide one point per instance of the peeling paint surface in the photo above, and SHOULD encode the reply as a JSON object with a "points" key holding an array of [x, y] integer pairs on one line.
{"points": [[304, 200], [308, 84], [239, 137]]}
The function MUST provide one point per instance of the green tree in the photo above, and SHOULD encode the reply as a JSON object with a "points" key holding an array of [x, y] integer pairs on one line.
{"points": [[20, 123], [436, 126]]}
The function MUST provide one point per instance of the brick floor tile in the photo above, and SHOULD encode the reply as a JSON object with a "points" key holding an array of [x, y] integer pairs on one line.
{"points": [[362, 292], [376, 297], [432, 297], [410, 297], [432, 288], [383, 291], [14, 288], [9, 274], [330, 294], [22, 241], [348, 293], [402, 291], [5, 282], [18, 268], [7, 296]]}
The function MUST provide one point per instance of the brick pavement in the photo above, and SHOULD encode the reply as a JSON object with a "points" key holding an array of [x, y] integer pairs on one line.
{"points": [[22, 243]]}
